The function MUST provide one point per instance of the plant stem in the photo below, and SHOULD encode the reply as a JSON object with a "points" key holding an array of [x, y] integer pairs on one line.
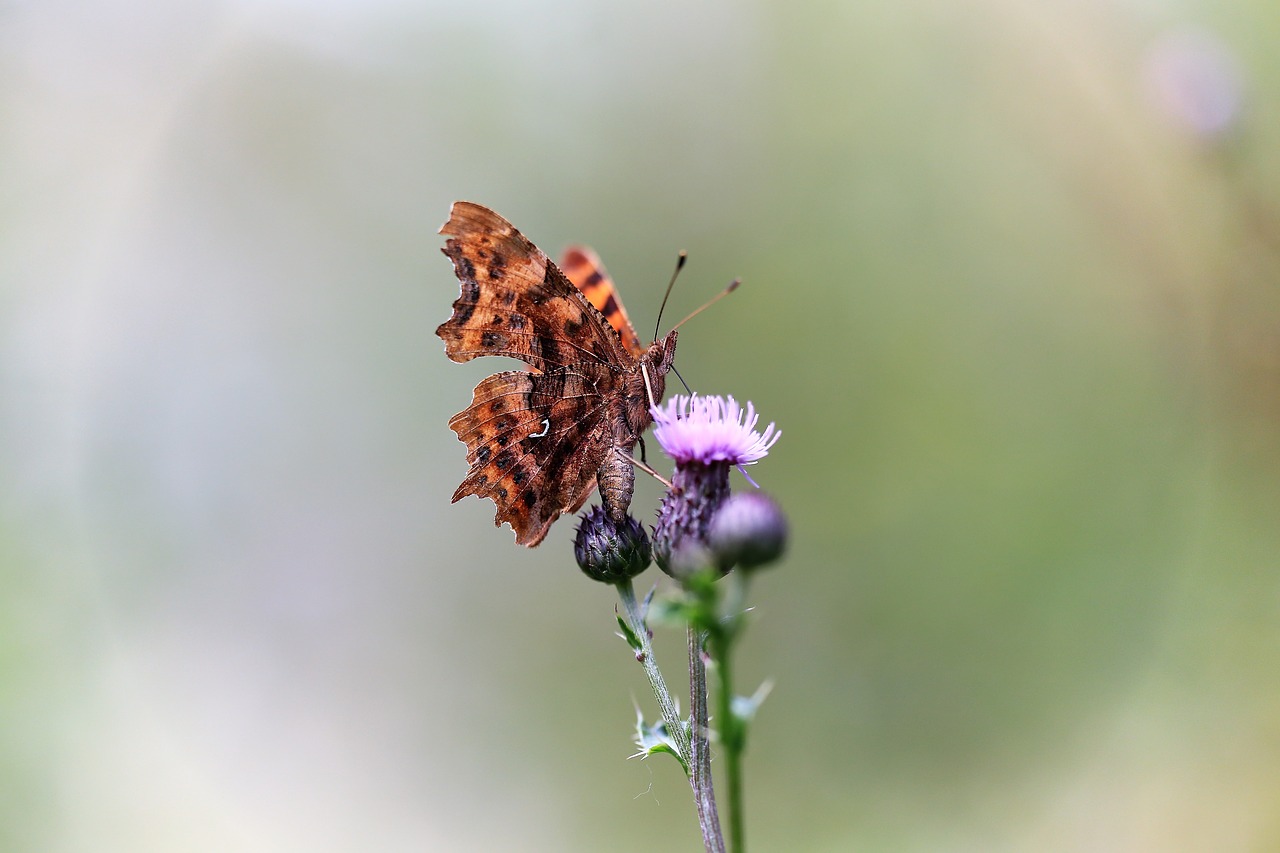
{"points": [[732, 729], [675, 727], [703, 787]]}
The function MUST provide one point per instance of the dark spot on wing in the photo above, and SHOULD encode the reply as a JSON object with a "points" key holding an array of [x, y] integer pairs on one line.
{"points": [[548, 348], [465, 305], [553, 284], [498, 267], [470, 291], [503, 460], [482, 454], [529, 498]]}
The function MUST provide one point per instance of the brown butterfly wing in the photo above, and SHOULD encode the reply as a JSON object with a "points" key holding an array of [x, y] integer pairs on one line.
{"points": [[535, 439], [582, 266], [535, 442], [515, 302]]}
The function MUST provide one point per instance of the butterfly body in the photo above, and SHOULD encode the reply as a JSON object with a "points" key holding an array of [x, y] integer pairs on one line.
{"points": [[540, 440]]}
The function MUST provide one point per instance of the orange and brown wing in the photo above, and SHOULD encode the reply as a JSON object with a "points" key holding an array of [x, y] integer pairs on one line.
{"points": [[535, 439], [515, 302], [582, 267], [535, 442]]}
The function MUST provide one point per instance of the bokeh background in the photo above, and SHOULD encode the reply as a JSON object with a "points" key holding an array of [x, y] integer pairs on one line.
{"points": [[1011, 292]]}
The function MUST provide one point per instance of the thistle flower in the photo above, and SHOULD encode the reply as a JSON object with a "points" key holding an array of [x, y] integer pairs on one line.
{"points": [[707, 430], [705, 436], [609, 551]]}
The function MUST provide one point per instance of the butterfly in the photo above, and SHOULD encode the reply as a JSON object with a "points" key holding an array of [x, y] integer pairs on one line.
{"points": [[540, 440]]}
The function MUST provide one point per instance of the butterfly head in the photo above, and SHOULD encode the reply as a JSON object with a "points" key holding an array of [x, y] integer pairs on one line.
{"points": [[649, 383], [662, 354]]}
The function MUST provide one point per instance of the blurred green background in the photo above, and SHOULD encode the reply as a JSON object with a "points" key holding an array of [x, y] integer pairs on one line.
{"points": [[1012, 293]]}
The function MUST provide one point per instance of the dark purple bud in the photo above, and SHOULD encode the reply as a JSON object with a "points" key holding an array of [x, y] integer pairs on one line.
{"points": [[609, 551]]}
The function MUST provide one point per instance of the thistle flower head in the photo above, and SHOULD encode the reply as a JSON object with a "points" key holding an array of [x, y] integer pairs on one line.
{"points": [[712, 429], [706, 436], [611, 551]]}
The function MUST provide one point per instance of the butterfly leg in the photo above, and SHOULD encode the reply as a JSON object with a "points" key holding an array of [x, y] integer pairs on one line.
{"points": [[645, 467], [642, 457]]}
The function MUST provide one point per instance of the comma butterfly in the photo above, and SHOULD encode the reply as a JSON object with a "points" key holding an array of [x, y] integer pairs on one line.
{"points": [[540, 440]]}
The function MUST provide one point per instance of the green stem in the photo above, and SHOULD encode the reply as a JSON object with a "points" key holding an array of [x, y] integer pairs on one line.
{"points": [[703, 787], [675, 727], [731, 739], [732, 730]]}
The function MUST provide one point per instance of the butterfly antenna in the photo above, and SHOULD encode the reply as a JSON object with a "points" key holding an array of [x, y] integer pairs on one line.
{"points": [[733, 285], [684, 256], [681, 378]]}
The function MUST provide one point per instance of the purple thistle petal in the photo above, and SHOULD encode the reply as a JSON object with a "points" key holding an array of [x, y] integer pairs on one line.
{"points": [[711, 429]]}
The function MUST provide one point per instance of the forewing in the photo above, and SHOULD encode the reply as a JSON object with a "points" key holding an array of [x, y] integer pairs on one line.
{"points": [[582, 266], [535, 443], [515, 302]]}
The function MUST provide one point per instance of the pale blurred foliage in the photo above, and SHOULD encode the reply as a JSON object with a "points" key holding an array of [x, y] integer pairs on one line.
{"points": [[1011, 293]]}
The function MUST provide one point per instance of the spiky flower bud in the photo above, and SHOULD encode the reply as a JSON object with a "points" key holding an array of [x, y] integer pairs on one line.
{"points": [[610, 551], [683, 516], [747, 531]]}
